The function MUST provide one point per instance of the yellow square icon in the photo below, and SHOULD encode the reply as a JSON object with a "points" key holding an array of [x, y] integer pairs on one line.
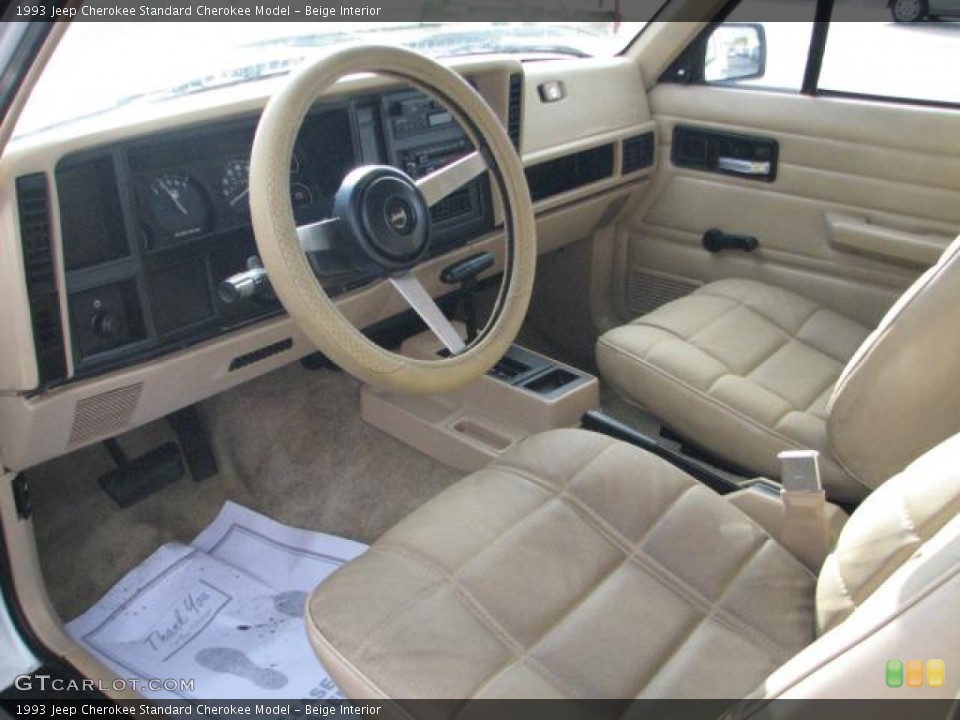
{"points": [[914, 673], [936, 670]]}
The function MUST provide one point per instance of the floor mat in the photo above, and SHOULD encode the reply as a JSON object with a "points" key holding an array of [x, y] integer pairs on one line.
{"points": [[225, 611]]}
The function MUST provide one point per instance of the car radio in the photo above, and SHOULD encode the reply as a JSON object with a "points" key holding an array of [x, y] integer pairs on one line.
{"points": [[415, 113], [420, 161]]}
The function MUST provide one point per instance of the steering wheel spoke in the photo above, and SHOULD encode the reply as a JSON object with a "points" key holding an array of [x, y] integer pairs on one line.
{"points": [[322, 236], [323, 242], [440, 183], [423, 304]]}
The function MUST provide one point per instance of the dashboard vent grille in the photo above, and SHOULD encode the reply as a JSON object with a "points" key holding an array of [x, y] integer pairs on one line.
{"points": [[104, 415], [452, 206], [263, 353], [515, 109], [33, 203], [637, 153]]}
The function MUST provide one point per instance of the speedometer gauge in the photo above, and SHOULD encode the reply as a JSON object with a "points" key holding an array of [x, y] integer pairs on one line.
{"points": [[177, 205], [235, 184]]}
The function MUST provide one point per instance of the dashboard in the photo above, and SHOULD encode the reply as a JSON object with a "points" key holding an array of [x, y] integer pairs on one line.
{"points": [[121, 228], [151, 227]]}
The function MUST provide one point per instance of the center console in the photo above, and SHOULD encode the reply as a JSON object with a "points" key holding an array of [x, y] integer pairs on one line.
{"points": [[525, 393]]}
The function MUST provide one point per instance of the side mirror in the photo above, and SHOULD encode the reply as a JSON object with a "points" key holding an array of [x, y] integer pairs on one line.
{"points": [[735, 51]]}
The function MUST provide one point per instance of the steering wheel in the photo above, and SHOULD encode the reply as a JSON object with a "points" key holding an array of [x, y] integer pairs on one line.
{"points": [[381, 220]]}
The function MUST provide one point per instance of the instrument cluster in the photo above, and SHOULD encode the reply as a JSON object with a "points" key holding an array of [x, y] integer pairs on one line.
{"points": [[185, 191]]}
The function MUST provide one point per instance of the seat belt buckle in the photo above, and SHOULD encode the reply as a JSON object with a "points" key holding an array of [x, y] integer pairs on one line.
{"points": [[800, 471], [804, 531]]}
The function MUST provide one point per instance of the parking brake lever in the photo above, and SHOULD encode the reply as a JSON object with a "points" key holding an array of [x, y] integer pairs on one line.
{"points": [[465, 274]]}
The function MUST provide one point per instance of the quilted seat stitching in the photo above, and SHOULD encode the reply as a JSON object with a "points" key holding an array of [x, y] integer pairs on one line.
{"points": [[658, 571], [677, 381], [593, 519], [635, 554], [705, 605], [485, 618], [795, 443], [787, 339], [841, 360], [526, 656], [643, 320], [473, 604], [808, 409], [768, 318], [705, 616], [714, 321]]}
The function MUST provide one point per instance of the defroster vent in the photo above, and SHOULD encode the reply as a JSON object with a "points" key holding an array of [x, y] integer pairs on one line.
{"points": [[515, 109], [33, 202]]}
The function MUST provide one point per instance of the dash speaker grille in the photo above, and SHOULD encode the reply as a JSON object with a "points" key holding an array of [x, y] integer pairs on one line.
{"points": [[103, 415], [646, 291]]}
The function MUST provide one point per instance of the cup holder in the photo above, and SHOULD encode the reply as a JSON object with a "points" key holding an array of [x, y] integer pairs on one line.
{"points": [[550, 382]]}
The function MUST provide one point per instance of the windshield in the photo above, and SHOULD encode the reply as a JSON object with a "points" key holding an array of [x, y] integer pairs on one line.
{"points": [[100, 66]]}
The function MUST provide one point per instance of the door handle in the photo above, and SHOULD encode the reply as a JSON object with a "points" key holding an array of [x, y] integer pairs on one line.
{"points": [[744, 167]]}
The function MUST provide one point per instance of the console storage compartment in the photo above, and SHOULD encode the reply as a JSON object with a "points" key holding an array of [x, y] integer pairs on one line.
{"points": [[525, 393]]}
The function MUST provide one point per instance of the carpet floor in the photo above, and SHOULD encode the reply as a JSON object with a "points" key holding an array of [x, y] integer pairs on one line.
{"points": [[290, 445]]}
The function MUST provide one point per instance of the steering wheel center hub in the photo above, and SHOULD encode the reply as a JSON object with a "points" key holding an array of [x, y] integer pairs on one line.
{"points": [[387, 216]]}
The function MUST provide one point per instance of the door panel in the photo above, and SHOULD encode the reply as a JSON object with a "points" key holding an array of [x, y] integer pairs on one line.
{"points": [[866, 195]]}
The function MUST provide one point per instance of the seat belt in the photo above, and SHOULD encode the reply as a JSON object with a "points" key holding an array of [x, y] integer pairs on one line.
{"points": [[805, 532]]}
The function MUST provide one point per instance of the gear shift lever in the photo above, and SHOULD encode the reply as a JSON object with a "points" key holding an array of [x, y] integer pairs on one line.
{"points": [[465, 274]]}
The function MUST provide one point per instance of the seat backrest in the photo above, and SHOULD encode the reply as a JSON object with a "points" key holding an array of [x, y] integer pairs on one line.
{"points": [[889, 527], [900, 393], [889, 591]]}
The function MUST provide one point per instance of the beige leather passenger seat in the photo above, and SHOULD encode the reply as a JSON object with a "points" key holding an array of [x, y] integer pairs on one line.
{"points": [[743, 368], [747, 370]]}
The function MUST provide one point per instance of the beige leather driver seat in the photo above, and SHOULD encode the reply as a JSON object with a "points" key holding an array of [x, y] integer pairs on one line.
{"points": [[746, 370], [577, 566]]}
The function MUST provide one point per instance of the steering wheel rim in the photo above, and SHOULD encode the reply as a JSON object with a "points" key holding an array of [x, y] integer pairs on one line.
{"points": [[289, 270]]}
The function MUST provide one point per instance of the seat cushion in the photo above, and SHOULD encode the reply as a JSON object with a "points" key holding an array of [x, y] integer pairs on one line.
{"points": [[574, 567], [740, 368]]}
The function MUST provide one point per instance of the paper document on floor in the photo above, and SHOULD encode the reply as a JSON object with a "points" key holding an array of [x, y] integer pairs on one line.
{"points": [[225, 611]]}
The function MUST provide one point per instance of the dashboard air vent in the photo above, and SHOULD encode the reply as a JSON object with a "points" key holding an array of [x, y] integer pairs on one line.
{"points": [[515, 109], [637, 153], [452, 206], [33, 202], [263, 353]]}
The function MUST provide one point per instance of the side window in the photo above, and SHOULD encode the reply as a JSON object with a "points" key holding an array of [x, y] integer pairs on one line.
{"points": [[901, 50], [896, 60]]}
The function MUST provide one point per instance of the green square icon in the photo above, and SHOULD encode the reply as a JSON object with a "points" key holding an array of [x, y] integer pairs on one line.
{"points": [[894, 673]]}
